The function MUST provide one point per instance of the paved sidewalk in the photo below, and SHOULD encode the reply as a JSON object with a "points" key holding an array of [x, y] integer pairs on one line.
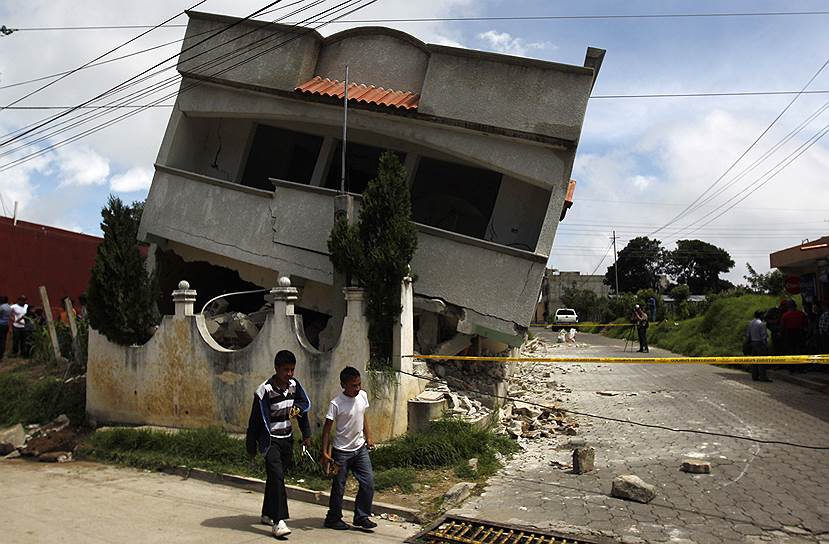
{"points": [[755, 493], [87, 503]]}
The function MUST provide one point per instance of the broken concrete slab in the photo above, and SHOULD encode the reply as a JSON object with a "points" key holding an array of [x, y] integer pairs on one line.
{"points": [[695, 466], [583, 460], [12, 437], [458, 492], [55, 457], [632, 488]]}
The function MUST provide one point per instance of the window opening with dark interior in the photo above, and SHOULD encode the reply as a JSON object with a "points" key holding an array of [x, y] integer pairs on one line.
{"points": [[454, 197], [281, 154], [361, 166]]}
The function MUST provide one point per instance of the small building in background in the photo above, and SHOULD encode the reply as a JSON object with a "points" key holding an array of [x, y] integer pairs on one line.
{"points": [[806, 269]]}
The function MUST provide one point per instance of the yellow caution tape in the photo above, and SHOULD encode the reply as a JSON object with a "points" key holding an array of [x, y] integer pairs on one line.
{"points": [[766, 360], [566, 325]]}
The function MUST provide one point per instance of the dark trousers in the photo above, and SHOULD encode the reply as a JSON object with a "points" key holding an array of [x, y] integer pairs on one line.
{"points": [[20, 342], [4, 331], [643, 338], [277, 460], [758, 372], [359, 463]]}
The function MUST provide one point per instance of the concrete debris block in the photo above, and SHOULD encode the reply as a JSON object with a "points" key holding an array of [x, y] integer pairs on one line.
{"points": [[55, 457], [583, 460], [529, 411], [12, 438], [392, 517], [56, 436], [13, 455], [431, 396], [473, 464], [608, 393], [560, 465], [217, 307], [458, 492], [516, 429], [695, 466], [632, 488]]}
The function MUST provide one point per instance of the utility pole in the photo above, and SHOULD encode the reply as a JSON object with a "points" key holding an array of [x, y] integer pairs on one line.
{"points": [[345, 127], [615, 263]]}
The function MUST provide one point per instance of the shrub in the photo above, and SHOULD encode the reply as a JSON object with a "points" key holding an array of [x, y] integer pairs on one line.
{"points": [[24, 401]]}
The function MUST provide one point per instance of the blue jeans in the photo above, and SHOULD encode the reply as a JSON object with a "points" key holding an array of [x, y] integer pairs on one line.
{"points": [[359, 463]]}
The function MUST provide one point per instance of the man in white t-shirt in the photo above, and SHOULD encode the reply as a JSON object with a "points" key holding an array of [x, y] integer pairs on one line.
{"points": [[351, 444], [17, 315]]}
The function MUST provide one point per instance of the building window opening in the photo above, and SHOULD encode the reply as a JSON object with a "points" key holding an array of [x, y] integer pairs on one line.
{"points": [[361, 166], [281, 154], [454, 197]]}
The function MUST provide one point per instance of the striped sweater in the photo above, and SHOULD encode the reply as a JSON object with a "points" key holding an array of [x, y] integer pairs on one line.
{"points": [[270, 413]]}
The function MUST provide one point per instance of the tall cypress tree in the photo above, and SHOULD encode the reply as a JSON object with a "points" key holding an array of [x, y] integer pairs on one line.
{"points": [[121, 295], [378, 249]]}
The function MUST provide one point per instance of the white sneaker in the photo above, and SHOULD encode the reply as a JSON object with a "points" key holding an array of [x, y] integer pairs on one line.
{"points": [[280, 529], [266, 520]]}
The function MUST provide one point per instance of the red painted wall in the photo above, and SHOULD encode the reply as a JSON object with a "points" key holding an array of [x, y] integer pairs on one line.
{"points": [[32, 255]]}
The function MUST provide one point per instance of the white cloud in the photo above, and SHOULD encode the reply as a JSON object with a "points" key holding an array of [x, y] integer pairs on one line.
{"points": [[134, 179], [80, 165], [642, 182], [503, 42]]}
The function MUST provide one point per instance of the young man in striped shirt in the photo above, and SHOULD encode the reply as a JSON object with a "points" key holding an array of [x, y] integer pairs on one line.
{"points": [[275, 402]]}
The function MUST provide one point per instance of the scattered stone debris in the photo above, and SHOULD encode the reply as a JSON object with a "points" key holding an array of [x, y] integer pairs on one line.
{"points": [[560, 465], [458, 492], [608, 393], [695, 466], [632, 488], [55, 457], [583, 460], [391, 517], [55, 436], [234, 330], [473, 464]]}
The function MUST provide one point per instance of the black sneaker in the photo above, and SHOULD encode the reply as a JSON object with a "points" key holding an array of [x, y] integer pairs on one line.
{"points": [[338, 525], [365, 523]]}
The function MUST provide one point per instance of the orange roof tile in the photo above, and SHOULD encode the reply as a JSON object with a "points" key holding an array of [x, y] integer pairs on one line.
{"points": [[361, 93]]}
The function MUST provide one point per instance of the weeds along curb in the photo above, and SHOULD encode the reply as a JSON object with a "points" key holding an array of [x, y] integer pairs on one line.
{"points": [[294, 492]]}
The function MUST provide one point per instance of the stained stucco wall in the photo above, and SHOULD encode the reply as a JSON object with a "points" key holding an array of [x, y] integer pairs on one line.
{"points": [[181, 378]]}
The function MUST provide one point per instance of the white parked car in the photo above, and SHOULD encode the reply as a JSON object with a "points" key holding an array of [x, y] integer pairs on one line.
{"points": [[564, 317]]}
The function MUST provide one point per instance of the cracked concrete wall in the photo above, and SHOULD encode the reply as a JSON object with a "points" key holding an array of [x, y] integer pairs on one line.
{"points": [[182, 378]]}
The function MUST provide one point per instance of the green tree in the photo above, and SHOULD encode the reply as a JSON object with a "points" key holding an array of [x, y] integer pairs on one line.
{"points": [[377, 250], [587, 304], [639, 264], [699, 264], [770, 283], [121, 298]]}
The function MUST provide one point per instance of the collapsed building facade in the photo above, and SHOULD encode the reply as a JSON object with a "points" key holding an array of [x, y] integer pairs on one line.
{"points": [[247, 182], [249, 167]]}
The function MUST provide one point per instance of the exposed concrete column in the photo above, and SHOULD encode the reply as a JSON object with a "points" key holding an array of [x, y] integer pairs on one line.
{"points": [[403, 339], [355, 300], [183, 298], [283, 297]]}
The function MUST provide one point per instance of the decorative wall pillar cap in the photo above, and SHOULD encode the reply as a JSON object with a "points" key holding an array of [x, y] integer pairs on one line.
{"points": [[184, 293], [354, 293], [284, 292]]}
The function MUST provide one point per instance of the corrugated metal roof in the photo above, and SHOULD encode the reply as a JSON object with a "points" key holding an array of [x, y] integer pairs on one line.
{"points": [[361, 93]]}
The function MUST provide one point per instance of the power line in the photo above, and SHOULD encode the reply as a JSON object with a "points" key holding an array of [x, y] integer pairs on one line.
{"points": [[705, 94], [462, 19], [339, 7], [744, 153]]}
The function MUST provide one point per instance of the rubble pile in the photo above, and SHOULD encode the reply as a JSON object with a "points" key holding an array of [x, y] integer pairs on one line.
{"points": [[459, 403], [234, 330], [53, 442], [478, 380]]}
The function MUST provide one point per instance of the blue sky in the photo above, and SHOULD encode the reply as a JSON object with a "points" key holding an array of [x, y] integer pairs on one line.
{"points": [[640, 161]]}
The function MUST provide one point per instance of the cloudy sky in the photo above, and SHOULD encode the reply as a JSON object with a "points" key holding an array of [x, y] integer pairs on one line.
{"points": [[641, 161]]}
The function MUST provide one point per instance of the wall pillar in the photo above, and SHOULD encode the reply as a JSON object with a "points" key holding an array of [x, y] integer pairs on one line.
{"points": [[183, 298], [403, 337], [283, 297]]}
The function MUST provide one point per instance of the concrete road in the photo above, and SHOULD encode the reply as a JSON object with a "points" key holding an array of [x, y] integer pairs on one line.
{"points": [[90, 503], [755, 493]]}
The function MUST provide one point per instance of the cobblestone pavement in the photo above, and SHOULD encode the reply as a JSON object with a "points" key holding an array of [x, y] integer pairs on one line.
{"points": [[755, 492]]}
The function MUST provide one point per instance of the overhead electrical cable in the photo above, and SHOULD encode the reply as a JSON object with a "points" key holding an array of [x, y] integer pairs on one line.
{"points": [[687, 209]]}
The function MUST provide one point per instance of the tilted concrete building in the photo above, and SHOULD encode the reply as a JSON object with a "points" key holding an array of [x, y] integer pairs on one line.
{"points": [[249, 167]]}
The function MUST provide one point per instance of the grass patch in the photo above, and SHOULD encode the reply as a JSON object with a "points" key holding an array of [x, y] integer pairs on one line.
{"points": [[27, 400], [443, 444], [446, 443]]}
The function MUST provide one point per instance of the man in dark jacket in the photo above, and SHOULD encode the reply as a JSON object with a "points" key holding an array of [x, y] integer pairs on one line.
{"points": [[275, 402]]}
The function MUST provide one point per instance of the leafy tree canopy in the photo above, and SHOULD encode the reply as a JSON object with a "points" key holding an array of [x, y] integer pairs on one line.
{"points": [[698, 265], [639, 263], [770, 283]]}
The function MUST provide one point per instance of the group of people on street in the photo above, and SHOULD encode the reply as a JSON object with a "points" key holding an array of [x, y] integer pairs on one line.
{"points": [[23, 320], [792, 332], [280, 399]]}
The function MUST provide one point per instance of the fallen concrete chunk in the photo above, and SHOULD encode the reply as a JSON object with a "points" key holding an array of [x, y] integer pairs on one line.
{"points": [[55, 457], [583, 460], [473, 464], [529, 411], [458, 492], [12, 438], [695, 466], [607, 393], [632, 488]]}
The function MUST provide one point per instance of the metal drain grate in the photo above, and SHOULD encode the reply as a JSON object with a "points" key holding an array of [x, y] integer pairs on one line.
{"points": [[460, 530]]}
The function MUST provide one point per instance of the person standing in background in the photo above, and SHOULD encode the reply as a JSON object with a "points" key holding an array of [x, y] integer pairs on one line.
{"points": [[5, 313]]}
